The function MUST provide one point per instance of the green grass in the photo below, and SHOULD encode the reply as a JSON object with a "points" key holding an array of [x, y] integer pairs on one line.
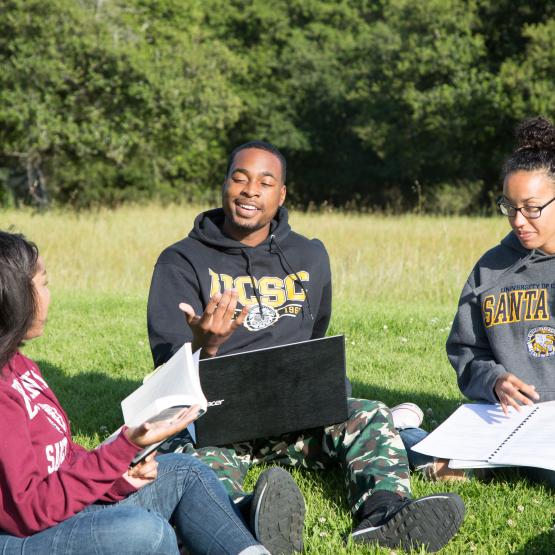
{"points": [[95, 351], [396, 284]]}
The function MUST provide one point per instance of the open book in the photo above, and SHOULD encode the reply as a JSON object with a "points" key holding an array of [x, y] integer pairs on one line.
{"points": [[169, 389], [480, 435]]}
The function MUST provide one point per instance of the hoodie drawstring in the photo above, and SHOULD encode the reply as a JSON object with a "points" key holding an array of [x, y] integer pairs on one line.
{"points": [[249, 271], [282, 257]]}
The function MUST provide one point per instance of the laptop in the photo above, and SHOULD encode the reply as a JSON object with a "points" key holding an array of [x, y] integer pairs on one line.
{"points": [[272, 391]]}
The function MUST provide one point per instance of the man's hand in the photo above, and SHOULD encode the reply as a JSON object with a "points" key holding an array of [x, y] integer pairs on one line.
{"points": [[216, 324], [511, 391], [143, 473], [153, 432]]}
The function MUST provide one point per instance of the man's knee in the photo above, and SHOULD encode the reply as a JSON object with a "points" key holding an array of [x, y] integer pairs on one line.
{"points": [[367, 409]]}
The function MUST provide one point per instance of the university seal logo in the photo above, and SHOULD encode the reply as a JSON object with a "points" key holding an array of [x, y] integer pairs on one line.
{"points": [[259, 319], [541, 342]]}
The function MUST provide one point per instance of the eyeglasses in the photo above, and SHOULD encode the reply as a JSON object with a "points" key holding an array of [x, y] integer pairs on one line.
{"points": [[529, 212]]}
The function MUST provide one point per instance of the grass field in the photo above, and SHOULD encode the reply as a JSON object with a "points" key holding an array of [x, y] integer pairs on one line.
{"points": [[396, 284]]}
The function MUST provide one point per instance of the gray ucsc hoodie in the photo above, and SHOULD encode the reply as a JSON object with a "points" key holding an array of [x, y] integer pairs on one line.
{"points": [[506, 322], [285, 281]]}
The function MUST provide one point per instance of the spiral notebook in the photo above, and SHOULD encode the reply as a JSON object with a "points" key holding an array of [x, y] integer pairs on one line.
{"points": [[480, 435]]}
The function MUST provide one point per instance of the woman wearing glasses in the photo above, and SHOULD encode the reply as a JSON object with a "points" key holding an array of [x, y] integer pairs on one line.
{"points": [[502, 343]]}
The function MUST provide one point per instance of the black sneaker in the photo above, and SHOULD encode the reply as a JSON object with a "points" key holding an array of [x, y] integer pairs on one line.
{"points": [[277, 512], [428, 522]]}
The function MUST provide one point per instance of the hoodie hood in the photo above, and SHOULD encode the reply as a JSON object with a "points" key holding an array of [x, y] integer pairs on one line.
{"points": [[208, 230], [525, 258]]}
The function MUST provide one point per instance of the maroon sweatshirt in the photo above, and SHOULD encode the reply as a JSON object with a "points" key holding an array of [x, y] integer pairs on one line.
{"points": [[45, 477]]}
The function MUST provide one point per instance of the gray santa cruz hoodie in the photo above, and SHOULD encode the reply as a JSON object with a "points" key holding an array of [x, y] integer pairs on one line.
{"points": [[505, 322]]}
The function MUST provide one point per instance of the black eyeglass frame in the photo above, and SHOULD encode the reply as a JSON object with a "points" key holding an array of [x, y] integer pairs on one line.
{"points": [[512, 210]]}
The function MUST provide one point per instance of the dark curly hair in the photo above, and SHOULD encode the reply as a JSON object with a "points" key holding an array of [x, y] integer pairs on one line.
{"points": [[18, 304], [535, 148]]}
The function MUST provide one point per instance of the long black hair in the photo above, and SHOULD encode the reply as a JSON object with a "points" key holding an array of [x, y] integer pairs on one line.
{"points": [[535, 148], [18, 303]]}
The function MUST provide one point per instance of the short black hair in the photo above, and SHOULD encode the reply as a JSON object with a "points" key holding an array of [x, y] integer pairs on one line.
{"points": [[260, 145], [18, 303], [535, 148]]}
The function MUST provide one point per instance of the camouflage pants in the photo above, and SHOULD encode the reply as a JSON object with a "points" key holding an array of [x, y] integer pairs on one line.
{"points": [[366, 447]]}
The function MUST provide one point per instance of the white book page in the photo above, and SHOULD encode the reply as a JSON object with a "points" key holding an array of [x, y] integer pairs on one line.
{"points": [[473, 432], [175, 383], [534, 443]]}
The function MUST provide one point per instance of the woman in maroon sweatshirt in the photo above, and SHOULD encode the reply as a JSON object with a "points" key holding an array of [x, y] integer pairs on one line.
{"points": [[55, 496]]}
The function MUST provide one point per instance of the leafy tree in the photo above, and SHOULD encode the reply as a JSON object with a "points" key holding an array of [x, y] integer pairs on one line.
{"points": [[127, 103], [374, 102]]}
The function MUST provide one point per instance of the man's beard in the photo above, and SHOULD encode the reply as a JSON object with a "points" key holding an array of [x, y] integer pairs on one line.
{"points": [[246, 226]]}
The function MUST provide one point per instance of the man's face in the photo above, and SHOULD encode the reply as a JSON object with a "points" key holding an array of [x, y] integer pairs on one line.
{"points": [[253, 191]]}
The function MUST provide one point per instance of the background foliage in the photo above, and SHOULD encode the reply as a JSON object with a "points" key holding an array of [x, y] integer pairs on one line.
{"points": [[396, 104]]}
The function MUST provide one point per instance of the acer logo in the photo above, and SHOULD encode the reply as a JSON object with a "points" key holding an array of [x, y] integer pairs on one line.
{"points": [[215, 403]]}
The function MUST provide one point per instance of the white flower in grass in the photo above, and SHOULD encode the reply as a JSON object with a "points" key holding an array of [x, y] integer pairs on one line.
{"points": [[511, 522], [385, 327], [323, 534], [322, 519], [403, 339], [520, 509]]}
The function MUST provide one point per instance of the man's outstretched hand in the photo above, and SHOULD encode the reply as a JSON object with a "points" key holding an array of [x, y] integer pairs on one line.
{"points": [[216, 324]]}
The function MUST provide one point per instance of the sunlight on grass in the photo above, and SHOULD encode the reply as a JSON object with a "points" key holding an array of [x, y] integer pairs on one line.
{"points": [[396, 284], [405, 258]]}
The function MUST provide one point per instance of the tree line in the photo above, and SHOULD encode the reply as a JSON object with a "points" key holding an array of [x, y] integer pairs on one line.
{"points": [[391, 104]]}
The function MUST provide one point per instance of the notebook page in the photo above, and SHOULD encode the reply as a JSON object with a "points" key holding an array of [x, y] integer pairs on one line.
{"points": [[460, 464], [534, 443], [473, 432]]}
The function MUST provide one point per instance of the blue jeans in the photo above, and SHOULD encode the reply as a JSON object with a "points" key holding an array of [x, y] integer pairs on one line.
{"points": [[410, 437], [186, 493]]}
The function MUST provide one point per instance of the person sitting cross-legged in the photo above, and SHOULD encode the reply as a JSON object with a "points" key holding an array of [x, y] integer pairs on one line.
{"points": [[244, 280]]}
